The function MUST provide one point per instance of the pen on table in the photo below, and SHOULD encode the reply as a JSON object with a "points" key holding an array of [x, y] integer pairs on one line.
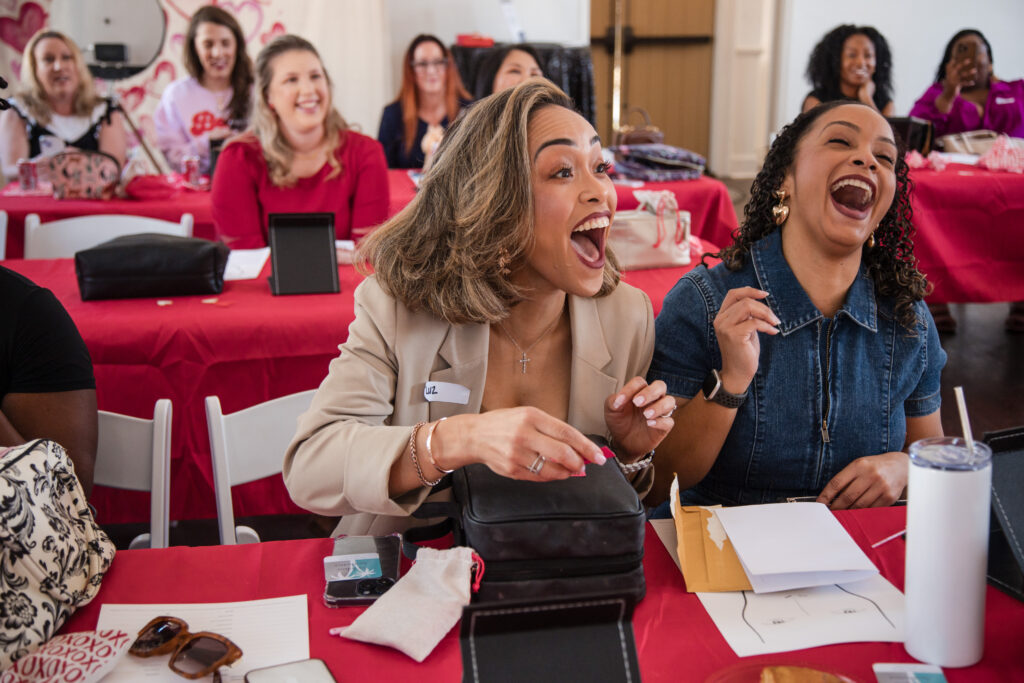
{"points": [[889, 538]]}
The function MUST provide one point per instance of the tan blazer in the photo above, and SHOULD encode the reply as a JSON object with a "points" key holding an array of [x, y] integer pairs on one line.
{"points": [[362, 415]]}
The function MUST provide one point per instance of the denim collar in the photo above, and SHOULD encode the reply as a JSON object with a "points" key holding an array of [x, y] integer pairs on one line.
{"points": [[789, 301]]}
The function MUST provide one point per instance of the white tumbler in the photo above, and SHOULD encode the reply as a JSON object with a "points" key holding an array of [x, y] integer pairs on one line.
{"points": [[947, 550]]}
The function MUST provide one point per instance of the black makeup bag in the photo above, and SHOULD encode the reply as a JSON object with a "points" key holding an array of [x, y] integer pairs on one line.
{"points": [[577, 536], [151, 265]]}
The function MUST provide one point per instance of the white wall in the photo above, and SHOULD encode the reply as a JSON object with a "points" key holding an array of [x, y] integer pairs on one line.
{"points": [[917, 31]]}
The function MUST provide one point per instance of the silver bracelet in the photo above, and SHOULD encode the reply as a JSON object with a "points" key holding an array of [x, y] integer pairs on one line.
{"points": [[641, 464]]}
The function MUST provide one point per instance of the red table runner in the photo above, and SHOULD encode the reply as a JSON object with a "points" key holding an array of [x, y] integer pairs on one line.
{"points": [[970, 233], [675, 638]]}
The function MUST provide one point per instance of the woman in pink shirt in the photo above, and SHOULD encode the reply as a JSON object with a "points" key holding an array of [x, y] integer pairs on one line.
{"points": [[214, 98], [297, 156]]}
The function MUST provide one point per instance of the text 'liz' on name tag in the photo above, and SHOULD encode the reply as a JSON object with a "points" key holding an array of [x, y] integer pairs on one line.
{"points": [[446, 392]]}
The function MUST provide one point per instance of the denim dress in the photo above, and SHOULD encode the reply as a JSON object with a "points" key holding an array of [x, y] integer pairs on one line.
{"points": [[827, 390]]}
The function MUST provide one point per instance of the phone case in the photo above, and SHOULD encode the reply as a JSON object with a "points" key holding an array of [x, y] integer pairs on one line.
{"points": [[361, 569], [306, 670]]}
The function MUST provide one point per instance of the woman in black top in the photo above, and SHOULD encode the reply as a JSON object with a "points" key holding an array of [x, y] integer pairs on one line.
{"points": [[58, 101], [851, 63]]}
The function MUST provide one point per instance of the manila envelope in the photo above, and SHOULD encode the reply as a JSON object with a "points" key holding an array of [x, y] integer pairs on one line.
{"points": [[709, 563]]}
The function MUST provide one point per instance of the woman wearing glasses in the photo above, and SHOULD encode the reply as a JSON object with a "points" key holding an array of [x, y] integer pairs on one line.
{"points": [[430, 97]]}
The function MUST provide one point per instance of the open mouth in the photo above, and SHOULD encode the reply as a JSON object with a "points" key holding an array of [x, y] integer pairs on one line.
{"points": [[854, 194], [588, 240], [308, 106]]}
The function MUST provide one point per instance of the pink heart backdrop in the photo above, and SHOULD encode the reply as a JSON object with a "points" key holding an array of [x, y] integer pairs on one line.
{"points": [[260, 20]]}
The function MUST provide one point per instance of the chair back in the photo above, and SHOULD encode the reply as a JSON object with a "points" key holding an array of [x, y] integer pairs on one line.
{"points": [[246, 446], [135, 454], [61, 239], [3, 235]]}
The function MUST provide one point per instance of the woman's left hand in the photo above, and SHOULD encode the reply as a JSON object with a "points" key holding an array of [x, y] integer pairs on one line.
{"points": [[866, 93], [639, 415], [871, 481]]}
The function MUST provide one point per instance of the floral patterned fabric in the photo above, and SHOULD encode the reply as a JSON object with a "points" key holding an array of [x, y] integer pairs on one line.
{"points": [[53, 556]]}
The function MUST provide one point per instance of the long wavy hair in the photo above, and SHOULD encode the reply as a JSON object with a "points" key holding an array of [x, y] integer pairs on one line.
{"points": [[265, 127], [824, 66], [241, 72], [409, 95], [940, 74], [34, 96], [890, 263], [452, 250]]}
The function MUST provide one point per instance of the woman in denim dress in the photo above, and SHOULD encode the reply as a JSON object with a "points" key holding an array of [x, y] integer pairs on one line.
{"points": [[807, 361]]}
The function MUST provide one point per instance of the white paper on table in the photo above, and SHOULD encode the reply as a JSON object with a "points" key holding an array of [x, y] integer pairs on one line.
{"points": [[269, 632], [868, 610], [961, 158], [246, 264], [783, 546]]}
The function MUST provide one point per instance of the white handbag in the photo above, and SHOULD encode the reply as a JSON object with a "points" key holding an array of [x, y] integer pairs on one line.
{"points": [[973, 142], [644, 238]]}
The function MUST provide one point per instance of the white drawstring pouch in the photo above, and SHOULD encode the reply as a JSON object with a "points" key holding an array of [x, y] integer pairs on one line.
{"points": [[419, 610]]}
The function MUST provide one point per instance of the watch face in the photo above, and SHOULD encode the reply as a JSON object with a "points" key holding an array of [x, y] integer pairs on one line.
{"points": [[712, 383]]}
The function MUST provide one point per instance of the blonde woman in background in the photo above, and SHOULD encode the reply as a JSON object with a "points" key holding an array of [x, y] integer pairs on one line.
{"points": [[57, 107], [298, 155]]}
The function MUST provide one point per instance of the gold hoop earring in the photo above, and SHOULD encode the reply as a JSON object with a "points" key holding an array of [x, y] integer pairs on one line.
{"points": [[780, 212]]}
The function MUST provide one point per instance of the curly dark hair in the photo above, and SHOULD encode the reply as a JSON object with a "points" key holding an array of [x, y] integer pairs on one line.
{"points": [[827, 56], [940, 75], [890, 263]]}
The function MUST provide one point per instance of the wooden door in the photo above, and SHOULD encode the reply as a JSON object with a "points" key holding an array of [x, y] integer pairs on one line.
{"points": [[666, 66]]}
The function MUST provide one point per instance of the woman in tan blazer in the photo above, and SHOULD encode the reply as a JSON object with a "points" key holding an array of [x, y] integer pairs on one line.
{"points": [[494, 328]]}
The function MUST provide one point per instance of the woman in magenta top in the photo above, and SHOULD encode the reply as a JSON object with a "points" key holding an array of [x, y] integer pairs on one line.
{"points": [[297, 156], [967, 96]]}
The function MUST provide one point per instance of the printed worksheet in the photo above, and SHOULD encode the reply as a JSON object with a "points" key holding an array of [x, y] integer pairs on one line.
{"points": [[268, 632]]}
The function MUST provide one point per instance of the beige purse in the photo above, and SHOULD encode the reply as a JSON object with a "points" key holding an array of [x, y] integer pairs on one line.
{"points": [[656, 235], [973, 142], [53, 555]]}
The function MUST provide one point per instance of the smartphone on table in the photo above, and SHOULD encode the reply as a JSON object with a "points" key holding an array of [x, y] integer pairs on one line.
{"points": [[304, 671], [361, 569]]}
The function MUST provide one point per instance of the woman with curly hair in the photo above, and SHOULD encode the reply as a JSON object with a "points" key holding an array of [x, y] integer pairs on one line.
{"points": [[493, 330], [814, 355], [851, 63]]}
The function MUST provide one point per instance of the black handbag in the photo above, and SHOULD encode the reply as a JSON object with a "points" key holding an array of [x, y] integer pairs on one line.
{"points": [[150, 265], [576, 536]]}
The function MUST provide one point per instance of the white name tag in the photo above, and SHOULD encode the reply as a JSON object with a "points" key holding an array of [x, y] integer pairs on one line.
{"points": [[1005, 100], [446, 392]]}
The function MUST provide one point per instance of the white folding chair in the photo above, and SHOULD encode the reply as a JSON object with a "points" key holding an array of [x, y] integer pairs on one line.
{"points": [[3, 235], [246, 446], [61, 239], [135, 454]]}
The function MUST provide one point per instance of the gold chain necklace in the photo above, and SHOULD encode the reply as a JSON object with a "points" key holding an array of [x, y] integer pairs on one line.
{"points": [[524, 359]]}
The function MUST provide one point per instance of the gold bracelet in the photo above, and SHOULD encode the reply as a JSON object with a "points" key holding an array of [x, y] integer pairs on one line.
{"points": [[415, 460], [430, 453]]}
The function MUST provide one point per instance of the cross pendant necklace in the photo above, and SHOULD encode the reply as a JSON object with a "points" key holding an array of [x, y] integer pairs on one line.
{"points": [[525, 359]]}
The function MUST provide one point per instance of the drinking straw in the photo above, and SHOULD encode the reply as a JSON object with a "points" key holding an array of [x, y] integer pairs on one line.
{"points": [[965, 423]]}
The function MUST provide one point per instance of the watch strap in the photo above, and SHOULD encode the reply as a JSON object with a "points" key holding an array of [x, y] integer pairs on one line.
{"points": [[714, 391]]}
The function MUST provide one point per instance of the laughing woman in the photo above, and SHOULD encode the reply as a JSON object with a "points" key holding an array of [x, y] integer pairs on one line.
{"points": [[806, 361], [298, 155], [494, 286]]}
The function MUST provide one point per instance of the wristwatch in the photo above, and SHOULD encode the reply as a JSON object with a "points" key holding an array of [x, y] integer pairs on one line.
{"points": [[714, 391]]}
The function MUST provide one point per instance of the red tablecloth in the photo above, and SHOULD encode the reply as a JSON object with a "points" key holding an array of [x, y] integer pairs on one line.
{"points": [[676, 639], [712, 216], [248, 347], [50, 209], [970, 233]]}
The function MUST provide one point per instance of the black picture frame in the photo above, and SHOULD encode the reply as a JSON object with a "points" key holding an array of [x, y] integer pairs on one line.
{"points": [[302, 254]]}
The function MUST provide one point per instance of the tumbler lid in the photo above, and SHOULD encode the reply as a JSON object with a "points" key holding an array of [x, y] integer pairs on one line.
{"points": [[950, 453]]}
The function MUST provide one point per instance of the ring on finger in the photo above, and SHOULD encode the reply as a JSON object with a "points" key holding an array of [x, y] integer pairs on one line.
{"points": [[537, 464], [674, 406]]}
